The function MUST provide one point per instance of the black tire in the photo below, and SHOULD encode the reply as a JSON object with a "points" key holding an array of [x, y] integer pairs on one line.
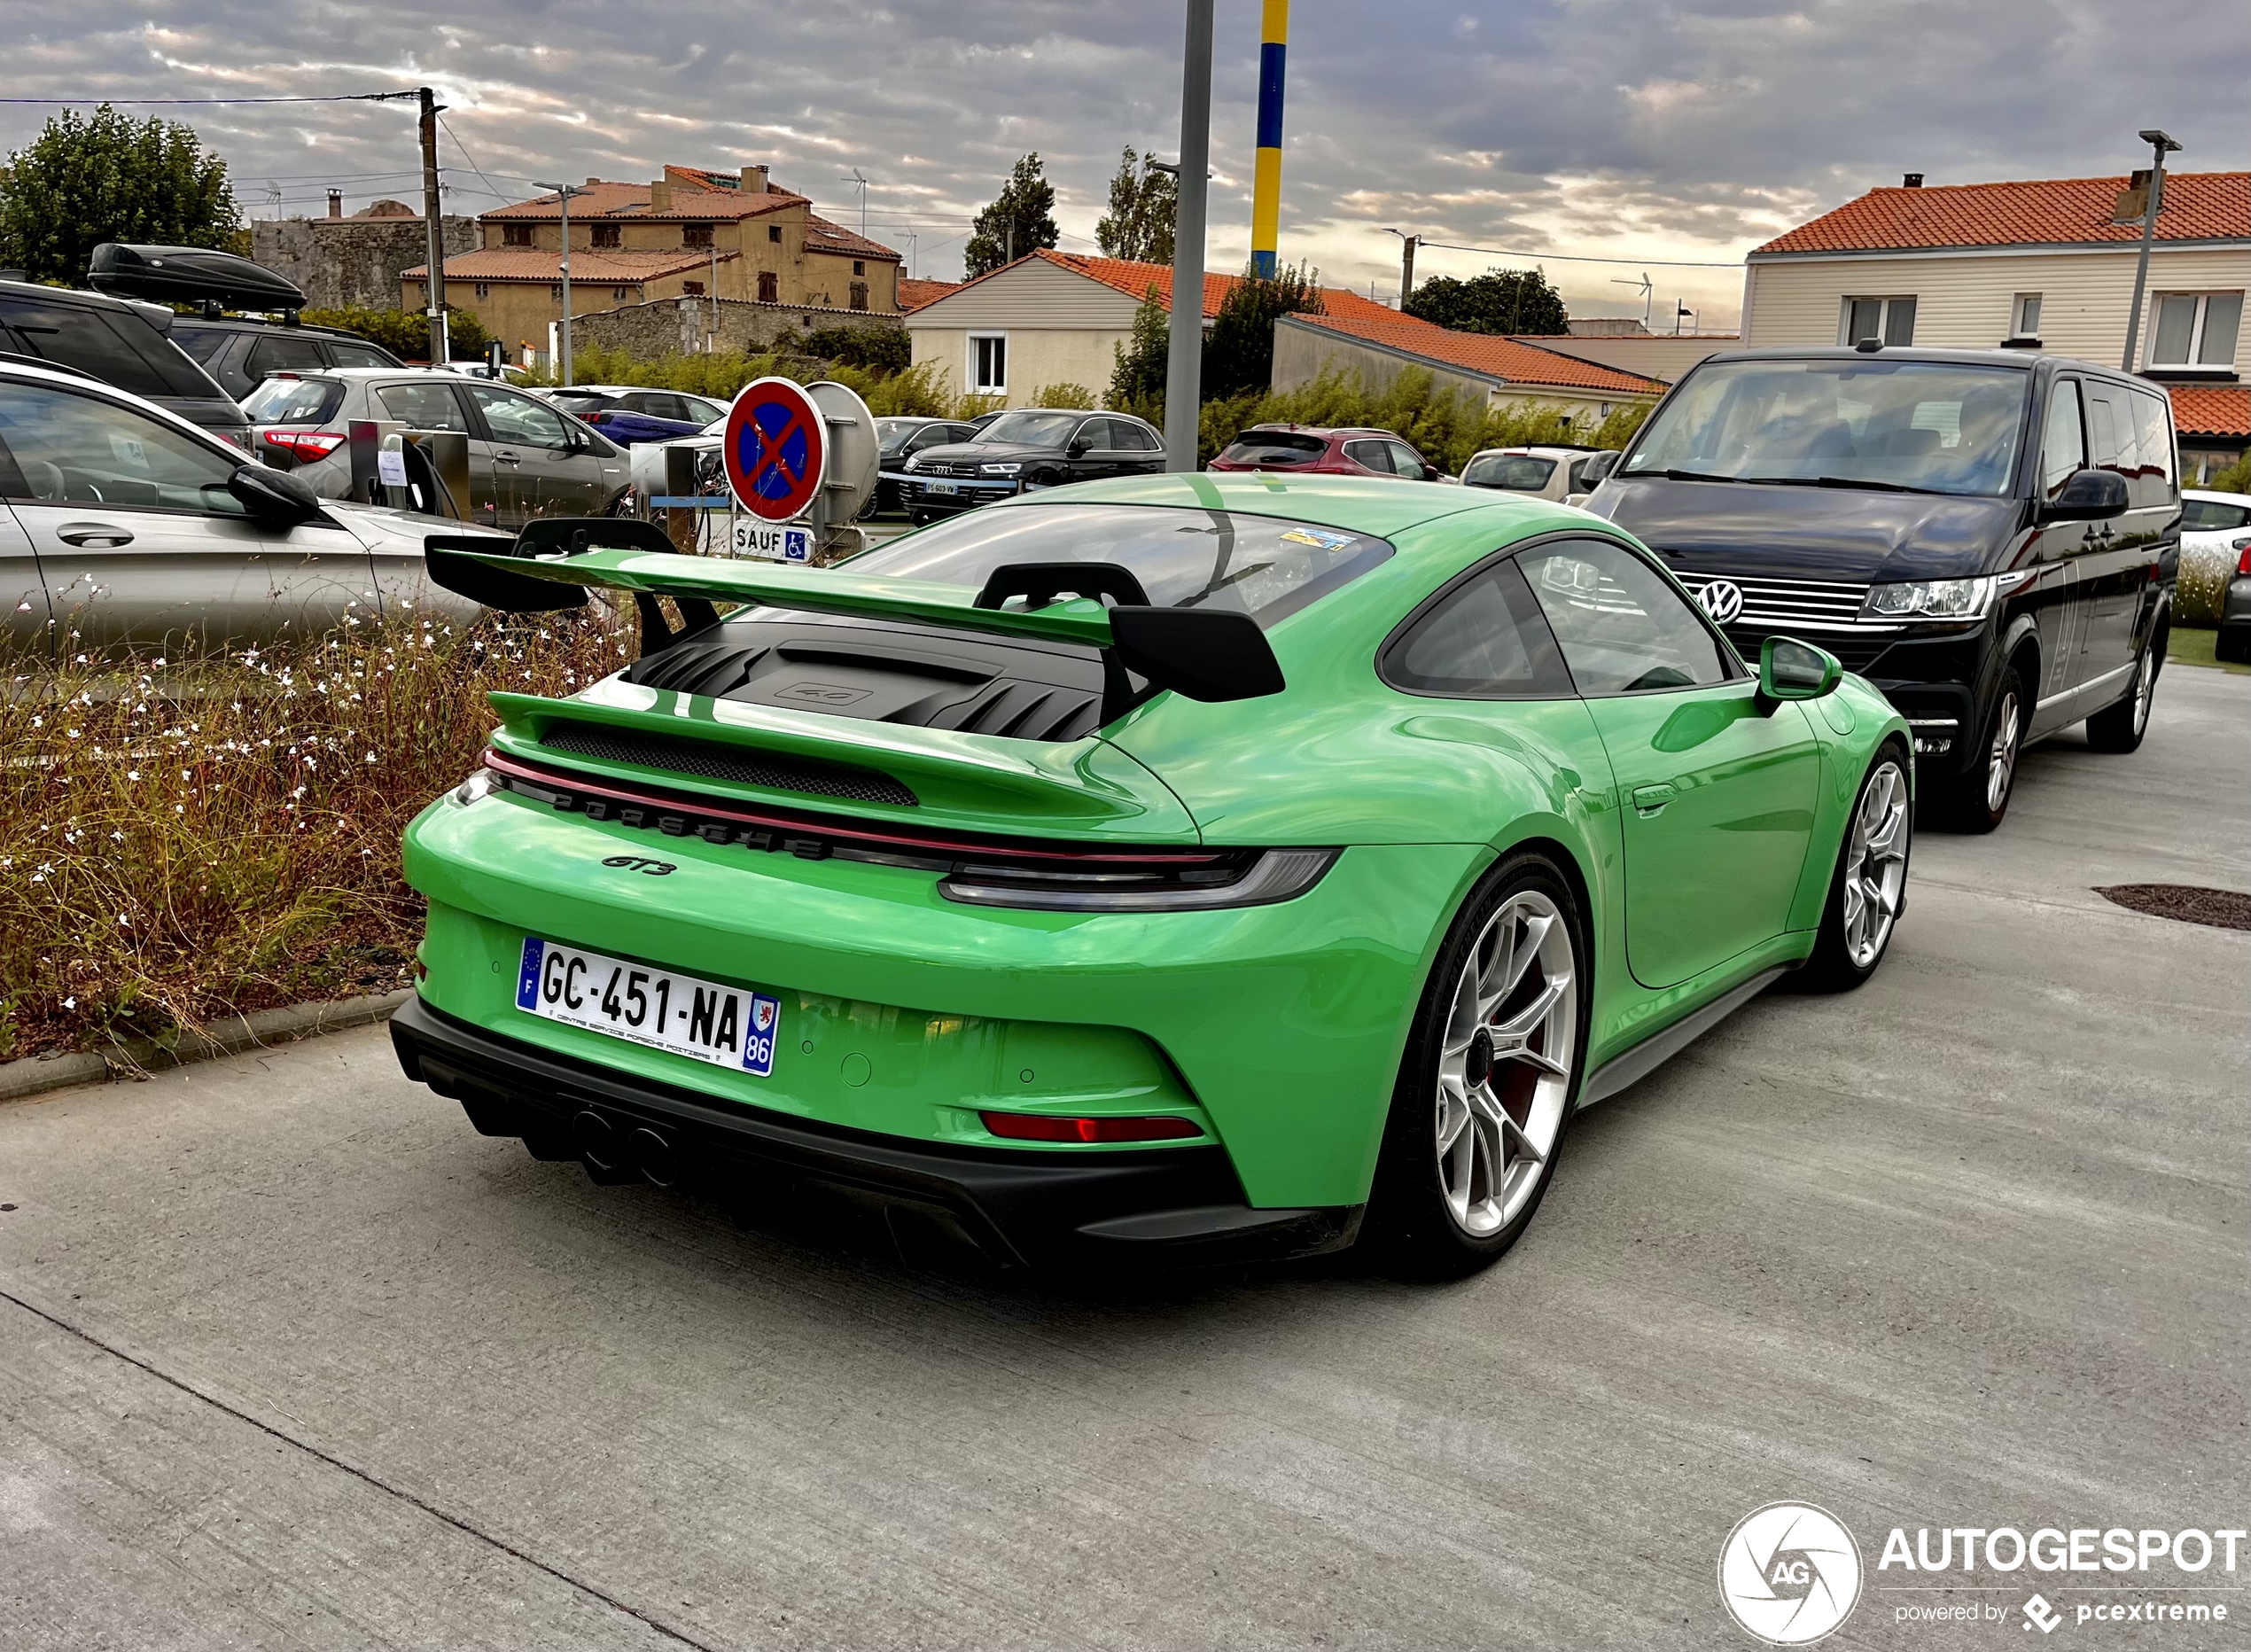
{"points": [[1413, 1219], [1976, 802], [2119, 727], [2233, 644], [1842, 958]]}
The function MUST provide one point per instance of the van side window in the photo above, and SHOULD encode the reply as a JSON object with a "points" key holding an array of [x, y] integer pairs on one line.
{"points": [[2112, 443], [2158, 471], [2063, 449]]}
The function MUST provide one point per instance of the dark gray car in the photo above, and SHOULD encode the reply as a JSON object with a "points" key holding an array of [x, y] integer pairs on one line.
{"points": [[119, 342]]}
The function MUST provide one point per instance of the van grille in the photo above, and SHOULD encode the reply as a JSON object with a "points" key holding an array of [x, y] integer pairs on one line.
{"points": [[1778, 604], [712, 761]]}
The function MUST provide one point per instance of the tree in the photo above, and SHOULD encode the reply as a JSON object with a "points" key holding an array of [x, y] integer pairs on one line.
{"points": [[1143, 203], [1239, 351], [1137, 382], [1512, 300], [1016, 222], [106, 177]]}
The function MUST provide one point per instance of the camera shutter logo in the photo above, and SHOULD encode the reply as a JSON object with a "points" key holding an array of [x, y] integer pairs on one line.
{"points": [[1789, 1573], [1722, 599]]}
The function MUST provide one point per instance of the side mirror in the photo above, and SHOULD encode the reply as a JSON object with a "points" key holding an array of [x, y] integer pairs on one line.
{"points": [[1432, 473], [1594, 469], [273, 496], [1792, 670], [2088, 496], [1078, 449]]}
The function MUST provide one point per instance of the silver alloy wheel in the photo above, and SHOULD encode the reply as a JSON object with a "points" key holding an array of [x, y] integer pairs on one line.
{"points": [[2145, 685], [1875, 864], [1505, 1069], [2001, 763]]}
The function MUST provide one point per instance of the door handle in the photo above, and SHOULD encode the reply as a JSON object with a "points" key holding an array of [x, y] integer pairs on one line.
{"points": [[92, 533], [510, 458], [1648, 799]]}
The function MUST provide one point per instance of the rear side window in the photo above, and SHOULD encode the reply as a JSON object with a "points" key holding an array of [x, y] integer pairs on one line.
{"points": [[2206, 515], [422, 406], [1276, 447], [359, 354], [282, 353], [202, 343], [294, 402], [1517, 473], [1268, 567], [118, 350], [2154, 422], [1484, 640]]}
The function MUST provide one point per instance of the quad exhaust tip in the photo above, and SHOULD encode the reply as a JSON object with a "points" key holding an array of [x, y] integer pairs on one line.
{"points": [[612, 1156]]}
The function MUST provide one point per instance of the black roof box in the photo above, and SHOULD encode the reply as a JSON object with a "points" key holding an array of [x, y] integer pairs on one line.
{"points": [[189, 274]]}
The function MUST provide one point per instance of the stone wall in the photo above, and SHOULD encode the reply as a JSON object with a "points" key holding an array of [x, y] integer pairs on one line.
{"points": [[352, 261], [683, 326]]}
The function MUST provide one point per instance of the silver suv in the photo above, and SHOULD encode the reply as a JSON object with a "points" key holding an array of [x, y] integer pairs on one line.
{"points": [[526, 458]]}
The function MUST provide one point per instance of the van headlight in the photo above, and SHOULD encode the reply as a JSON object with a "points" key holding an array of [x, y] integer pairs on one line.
{"points": [[1930, 599]]}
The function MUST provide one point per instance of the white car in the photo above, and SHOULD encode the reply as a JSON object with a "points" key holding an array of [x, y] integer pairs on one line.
{"points": [[121, 523], [2215, 532], [1563, 473]]}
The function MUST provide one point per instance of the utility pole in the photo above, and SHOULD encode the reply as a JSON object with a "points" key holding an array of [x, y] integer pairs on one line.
{"points": [[434, 288], [2161, 146], [563, 192], [1408, 244], [1184, 359]]}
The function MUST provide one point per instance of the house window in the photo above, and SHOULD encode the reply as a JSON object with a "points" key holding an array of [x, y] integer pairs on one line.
{"points": [[609, 235], [693, 289], [857, 268], [1891, 320], [694, 235], [989, 363], [859, 295], [2194, 329], [554, 291], [774, 233], [516, 235], [769, 287], [483, 291], [624, 294], [2024, 315]]}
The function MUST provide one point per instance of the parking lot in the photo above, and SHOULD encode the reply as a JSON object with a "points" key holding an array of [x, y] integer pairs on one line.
{"points": [[288, 1355]]}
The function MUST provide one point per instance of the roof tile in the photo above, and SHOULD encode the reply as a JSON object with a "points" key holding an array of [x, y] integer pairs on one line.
{"points": [[1490, 354], [2212, 410], [2198, 206]]}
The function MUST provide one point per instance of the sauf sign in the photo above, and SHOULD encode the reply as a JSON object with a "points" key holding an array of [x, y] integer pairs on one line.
{"points": [[774, 544]]}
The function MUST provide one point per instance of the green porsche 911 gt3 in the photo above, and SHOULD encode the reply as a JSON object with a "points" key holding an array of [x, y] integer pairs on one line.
{"points": [[1173, 868]]}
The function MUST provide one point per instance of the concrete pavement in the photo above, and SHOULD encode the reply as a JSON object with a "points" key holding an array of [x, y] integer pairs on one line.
{"points": [[288, 1356]]}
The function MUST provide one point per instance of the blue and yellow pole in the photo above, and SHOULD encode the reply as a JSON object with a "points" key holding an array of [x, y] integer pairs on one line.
{"points": [[1266, 189]]}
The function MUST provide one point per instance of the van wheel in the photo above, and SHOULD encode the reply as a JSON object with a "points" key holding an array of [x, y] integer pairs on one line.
{"points": [[2120, 727], [1491, 1076], [1978, 801]]}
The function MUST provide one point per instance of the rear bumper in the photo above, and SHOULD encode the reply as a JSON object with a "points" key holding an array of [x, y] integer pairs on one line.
{"points": [[1168, 1207]]}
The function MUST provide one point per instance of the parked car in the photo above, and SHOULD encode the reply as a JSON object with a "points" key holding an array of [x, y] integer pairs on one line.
{"points": [[120, 341], [137, 526], [1340, 452], [1543, 473], [1358, 896], [241, 352], [1990, 537], [2216, 552], [900, 439], [1024, 448], [627, 414], [526, 459]]}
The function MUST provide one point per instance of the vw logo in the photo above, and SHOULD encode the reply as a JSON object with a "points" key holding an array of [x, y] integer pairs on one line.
{"points": [[1789, 1573], [1722, 599]]}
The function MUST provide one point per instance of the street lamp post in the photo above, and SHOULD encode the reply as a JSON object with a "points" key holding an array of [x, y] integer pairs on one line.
{"points": [[1408, 244], [2161, 147], [563, 192], [1184, 358]]}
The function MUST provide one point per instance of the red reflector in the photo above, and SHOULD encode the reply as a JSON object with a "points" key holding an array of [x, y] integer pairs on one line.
{"points": [[1047, 1127], [2243, 563]]}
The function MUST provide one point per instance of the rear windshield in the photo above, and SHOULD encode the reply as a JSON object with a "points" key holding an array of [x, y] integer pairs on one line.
{"points": [[1926, 426], [1274, 446], [294, 402], [2209, 515], [1522, 472], [1268, 567]]}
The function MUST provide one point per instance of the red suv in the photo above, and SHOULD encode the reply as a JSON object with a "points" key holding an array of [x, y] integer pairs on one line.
{"points": [[1330, 452]]}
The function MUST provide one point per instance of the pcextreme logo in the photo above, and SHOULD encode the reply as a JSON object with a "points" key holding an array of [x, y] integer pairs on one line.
{"points": [[1789, 1573]]}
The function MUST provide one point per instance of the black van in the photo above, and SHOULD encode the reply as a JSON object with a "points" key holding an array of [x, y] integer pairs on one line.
{"points": [[1990, 537], [121, 343]]}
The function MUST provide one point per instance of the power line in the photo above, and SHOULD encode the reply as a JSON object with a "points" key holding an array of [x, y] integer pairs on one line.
{"points": [[148, 102], [465, 155], [1583, 258]]}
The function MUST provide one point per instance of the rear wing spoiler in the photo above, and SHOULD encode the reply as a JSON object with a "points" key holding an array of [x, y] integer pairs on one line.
{"points": [[1205, 654]]}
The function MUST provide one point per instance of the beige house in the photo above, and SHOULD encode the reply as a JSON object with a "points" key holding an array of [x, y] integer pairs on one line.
{"points": [[1055, 319], [2036, 266], [689, 233]]}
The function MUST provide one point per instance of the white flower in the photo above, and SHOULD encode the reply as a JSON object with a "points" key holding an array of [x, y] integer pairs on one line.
{"points": [[123, 920], [70, 1003], [132, 773]]}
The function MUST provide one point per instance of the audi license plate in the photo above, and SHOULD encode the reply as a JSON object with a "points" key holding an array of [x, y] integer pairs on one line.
{"points": [[941, 488], [702, 1020]]}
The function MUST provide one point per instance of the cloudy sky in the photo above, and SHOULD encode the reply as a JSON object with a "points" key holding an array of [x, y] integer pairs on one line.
{"points": [[1646, 130]]}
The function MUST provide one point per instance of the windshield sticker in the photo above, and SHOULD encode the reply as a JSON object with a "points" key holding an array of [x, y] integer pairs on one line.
{"points": [[1321, 538]]}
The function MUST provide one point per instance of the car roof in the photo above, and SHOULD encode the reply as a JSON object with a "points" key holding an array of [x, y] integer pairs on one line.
{"points": [[2216, 496], [252, 323], [1543, 450], [1330, 431]]}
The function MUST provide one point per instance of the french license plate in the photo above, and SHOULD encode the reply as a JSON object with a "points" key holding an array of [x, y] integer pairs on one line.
{"points": [[941, 488], [701, 1020]]}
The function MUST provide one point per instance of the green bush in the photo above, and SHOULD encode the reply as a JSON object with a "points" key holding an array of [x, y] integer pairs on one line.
{"points": [[1065, 395], [882, 350], [405, 333]]}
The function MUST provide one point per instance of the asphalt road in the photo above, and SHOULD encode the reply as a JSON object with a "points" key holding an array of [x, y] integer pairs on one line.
{"points": [[288, 1356]]}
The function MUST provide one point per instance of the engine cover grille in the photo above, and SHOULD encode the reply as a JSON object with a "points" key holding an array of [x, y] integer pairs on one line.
{"points": [[712, 761]]}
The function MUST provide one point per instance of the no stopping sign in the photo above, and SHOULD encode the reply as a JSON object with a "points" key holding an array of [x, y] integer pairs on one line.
{"points": [[775, 449]]}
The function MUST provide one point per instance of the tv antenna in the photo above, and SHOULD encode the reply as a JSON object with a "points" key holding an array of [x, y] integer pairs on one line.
{"points": [[860, 179], [1648, 290]]}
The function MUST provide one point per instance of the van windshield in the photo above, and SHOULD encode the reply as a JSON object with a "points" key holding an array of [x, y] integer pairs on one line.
{"points": [[1920, 426]]}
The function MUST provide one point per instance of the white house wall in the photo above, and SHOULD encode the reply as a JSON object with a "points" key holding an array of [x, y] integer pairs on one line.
{"points": [[1062, 328], [1963, 299]]}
